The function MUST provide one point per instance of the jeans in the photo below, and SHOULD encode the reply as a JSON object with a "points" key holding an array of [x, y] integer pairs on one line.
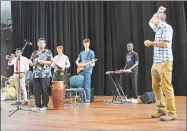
{"points": [[87, 84]]}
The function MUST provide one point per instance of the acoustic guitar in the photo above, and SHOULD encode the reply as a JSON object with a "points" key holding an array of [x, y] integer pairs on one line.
{"points": [[81, 68]]}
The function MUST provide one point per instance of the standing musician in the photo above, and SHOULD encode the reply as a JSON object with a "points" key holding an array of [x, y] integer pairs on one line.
{"points": [[20, 69], [85, 59], [162, 66], [132, 61], [61, 64], [41, 62]]}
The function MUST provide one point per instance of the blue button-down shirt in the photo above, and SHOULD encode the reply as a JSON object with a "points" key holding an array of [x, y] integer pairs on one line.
{"points": [[164, 32]]}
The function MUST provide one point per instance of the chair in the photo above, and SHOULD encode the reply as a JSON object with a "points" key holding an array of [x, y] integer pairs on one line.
{"points": [[76, 86]]}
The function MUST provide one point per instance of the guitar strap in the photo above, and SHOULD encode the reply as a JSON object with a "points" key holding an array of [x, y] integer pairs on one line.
{"points": [[86, 58], [88, 55]]}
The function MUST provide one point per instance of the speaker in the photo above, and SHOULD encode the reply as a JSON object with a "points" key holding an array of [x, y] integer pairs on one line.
{"points": [[148, 98], [7, 34]]}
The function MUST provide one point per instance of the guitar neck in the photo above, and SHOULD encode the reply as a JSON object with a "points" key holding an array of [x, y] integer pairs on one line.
{"points": [[90, 62]]}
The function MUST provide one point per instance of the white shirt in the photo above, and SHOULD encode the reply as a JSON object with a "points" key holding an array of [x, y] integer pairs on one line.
{"points": [[62, 61], [24, 64]]}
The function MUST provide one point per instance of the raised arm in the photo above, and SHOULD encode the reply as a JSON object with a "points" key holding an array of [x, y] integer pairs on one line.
{"points": [[12, 60], [151, 22]]}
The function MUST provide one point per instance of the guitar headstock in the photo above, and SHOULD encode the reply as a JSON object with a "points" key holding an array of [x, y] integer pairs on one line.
{"points": [[94, 60]]}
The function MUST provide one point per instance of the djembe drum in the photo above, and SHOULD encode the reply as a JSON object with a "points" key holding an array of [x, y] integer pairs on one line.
{"points": [[58, 94]]}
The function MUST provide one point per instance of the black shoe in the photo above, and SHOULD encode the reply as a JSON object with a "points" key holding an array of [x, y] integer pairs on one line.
{"points": [[129, 96], [13, 104], [25, 103]]}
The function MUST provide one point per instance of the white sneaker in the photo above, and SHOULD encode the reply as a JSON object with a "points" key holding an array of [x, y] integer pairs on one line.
{"points": [[129, 100], [35, 108], [87, 102], [135, 101], [43, 109]]}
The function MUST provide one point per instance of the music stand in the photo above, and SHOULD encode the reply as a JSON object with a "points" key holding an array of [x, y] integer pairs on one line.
{"points": [[19, 89]]}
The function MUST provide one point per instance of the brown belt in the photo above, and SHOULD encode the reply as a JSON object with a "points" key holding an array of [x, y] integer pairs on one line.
{"points": [[18, 72]]}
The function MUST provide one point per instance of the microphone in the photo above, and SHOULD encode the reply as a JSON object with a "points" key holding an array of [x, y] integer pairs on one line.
{"points": [[28, 42]]}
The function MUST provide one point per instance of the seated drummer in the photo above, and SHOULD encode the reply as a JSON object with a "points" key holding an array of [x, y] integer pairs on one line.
{"points": [[60, 64]]}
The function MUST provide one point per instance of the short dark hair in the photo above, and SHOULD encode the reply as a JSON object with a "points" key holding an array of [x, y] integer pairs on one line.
{"points": [[18, 49], [59, 47], [131, 44], [86, 40], [42, 38]]}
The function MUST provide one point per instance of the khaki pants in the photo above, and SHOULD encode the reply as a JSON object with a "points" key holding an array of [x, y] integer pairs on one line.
{"points": [[22, 86], [161, 83]]}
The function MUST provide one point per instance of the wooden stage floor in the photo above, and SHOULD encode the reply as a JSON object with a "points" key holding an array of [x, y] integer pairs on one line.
{"points": [[98, 116]]}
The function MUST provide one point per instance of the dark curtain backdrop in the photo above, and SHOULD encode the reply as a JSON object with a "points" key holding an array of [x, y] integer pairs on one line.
{"points": [[110, 26]]}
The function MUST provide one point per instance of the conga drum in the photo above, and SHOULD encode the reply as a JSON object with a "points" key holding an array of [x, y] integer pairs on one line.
{"points": [[11, 81], [58, 94]]}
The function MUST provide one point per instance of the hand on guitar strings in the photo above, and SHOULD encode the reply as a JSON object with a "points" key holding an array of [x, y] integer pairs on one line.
{"points": [[92, 63], [81, 64], [63, 69]]}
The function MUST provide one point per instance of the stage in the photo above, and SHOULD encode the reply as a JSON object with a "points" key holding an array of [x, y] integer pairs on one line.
{"points": [[99, 115]]}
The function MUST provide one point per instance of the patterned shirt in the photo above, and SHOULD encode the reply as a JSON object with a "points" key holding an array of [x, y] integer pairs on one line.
{"points": [[164, 32], [41, 71]]}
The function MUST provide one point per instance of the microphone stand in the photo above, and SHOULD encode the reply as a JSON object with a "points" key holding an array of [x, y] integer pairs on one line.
{"points": [[19, 88]]}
